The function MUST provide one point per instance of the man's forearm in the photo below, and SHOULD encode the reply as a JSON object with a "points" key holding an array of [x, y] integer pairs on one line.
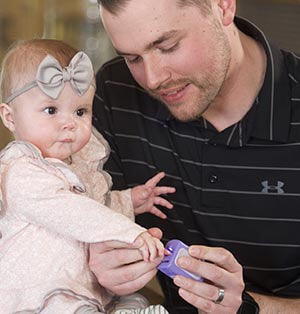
{"points": [[276, 305]]}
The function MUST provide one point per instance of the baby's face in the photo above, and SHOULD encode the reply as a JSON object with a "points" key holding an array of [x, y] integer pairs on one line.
{"points": [[58, 127]]}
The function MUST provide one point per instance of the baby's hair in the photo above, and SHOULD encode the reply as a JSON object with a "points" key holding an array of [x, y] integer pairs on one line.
{"points": [[20, 64]]}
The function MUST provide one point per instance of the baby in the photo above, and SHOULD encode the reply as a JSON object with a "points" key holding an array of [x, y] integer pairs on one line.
{"points": [[55, 198]]}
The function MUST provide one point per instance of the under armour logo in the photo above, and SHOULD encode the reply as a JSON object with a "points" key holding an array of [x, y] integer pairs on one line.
{"points": [[272, 188]]}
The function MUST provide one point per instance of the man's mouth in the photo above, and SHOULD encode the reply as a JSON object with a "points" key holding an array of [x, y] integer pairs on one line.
{"points": [[174, 94], [173, 91]]}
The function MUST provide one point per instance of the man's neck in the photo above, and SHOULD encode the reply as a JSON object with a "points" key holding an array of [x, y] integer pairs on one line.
{"points": [[242, 84]]}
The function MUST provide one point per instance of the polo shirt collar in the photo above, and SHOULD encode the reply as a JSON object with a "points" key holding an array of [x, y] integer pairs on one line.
{"points": [[269, 117], [272, 108]]}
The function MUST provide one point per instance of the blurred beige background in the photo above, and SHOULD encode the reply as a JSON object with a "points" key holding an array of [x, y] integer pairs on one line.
{"points": [[78, 23]]}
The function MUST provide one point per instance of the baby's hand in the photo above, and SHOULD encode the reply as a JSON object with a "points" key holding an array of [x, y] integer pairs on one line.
{"points": [[150, 247], [146, 196]]}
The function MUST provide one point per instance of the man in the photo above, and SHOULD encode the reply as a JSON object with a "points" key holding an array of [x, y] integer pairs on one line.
{"points": [[204, 97]]}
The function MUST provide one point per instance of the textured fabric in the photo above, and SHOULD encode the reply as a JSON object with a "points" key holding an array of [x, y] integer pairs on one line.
{"points": [[237, 189], [47, 218], [87, 309], [129, 302], [152, 309], [51, 76], [88, 164]]}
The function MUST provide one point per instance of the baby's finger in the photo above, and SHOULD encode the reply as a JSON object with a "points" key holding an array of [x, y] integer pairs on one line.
{"points": [[153, 249], [162, 202], [160, 247], [153, 181], [157, 212], [164, 190], [146, 252]]}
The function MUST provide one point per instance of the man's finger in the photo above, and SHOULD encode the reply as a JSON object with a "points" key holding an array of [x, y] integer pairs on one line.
{"points": [[217, 255], [101, 247], [128, 287]]}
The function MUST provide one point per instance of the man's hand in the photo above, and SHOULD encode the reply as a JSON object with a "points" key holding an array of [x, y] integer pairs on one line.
{"points": [[220, 269], [120, 267]]}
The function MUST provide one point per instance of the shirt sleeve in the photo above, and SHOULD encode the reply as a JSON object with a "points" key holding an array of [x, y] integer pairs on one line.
{"points": [[43, 198], [121, 202]]}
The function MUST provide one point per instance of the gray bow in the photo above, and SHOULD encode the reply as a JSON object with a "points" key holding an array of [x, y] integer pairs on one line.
{"points": [[51, 76]]}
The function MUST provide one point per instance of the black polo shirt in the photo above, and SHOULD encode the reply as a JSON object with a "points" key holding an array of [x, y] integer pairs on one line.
{"points": [[238, 189]]}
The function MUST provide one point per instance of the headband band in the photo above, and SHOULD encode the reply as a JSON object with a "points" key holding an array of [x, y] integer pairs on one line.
{"points": [[51, 76]]}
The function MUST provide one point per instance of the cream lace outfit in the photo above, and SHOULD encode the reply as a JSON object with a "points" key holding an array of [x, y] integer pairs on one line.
{"points": [[49, 213]]}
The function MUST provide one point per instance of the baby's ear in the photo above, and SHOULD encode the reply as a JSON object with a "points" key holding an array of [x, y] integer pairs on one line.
{"points": [[7, 116]]}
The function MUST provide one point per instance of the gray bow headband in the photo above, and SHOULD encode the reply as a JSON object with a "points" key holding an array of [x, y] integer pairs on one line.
{"points": [[51, 76]]}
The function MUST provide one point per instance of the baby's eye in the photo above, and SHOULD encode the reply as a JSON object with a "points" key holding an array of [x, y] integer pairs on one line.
{"points": [[50, 110], [81, 112]]}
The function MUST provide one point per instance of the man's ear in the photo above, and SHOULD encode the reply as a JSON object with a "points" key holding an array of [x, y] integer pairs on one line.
{"points": [[7, 116], [227, 9]]}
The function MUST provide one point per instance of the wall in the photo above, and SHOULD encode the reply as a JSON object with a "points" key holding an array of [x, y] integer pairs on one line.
{"points": [[18, 18], [279, 19]]}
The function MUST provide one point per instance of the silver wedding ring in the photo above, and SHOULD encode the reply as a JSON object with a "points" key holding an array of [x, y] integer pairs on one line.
{"points": [[220, 296]]}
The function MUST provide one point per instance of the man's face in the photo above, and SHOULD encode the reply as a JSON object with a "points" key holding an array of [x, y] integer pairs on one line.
{"points": [[180, 56]]}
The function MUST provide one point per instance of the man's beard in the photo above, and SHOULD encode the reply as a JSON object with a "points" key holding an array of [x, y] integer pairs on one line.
{"points": [[207, 91], [208, 87]]}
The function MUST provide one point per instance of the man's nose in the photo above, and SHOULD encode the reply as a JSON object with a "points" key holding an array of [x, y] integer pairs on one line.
{"points": [[156, 73]]}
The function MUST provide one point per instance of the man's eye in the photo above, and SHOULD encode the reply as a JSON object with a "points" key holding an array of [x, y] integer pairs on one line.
{"points": [[170, 49], [50, 110], [81, 112], [132, 60]]}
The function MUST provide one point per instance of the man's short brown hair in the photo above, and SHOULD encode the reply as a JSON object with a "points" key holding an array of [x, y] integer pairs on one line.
{"points": [[115, 6]]}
